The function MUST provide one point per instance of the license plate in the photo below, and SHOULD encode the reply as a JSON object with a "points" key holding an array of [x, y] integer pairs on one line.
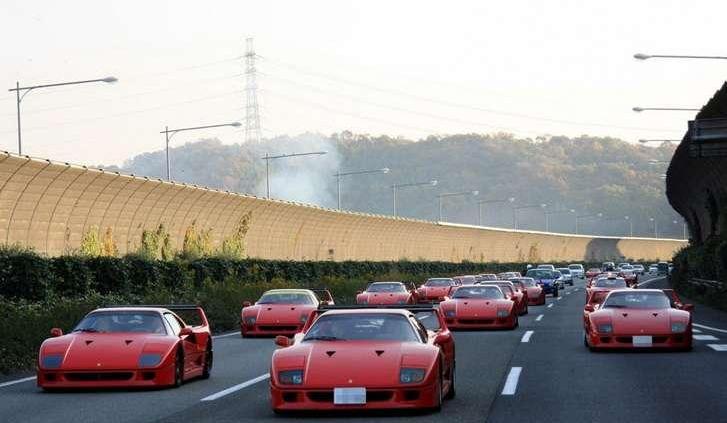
{"points": [[348, 396], [642, 341]]}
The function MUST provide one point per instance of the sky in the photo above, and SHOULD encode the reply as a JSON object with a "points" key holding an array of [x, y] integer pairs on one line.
{"points": [[404, 68]]}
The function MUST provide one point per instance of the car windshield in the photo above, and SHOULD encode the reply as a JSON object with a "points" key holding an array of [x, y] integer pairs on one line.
{"points": [[285, 298], [598, 297], [638, 266], [627, 267], [487, 292], [439, 282], [428, 319], [487, 277], [122, 321], [540, 274], [386, 287], [528, 282], [575, 267], [357, 326], [564, 271], [611, 283], [638, 300]]}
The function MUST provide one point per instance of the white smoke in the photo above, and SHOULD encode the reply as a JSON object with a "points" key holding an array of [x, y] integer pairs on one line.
{"points": [[306, 179]]}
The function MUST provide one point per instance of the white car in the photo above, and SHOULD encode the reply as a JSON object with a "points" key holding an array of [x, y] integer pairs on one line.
{"points": [[567, 276], [577, 271], [546, 266]]}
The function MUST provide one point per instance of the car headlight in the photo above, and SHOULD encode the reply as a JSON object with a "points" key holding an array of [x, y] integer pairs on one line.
{"points": [[291, 377], [502, 313], [250, 321], [52, 361], [450, 313], [411, 375], [678, 327], [149, 359], [607, 328]]}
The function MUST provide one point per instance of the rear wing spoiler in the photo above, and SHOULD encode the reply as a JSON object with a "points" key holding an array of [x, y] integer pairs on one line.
{"points": [[171, 307], [433, 310], [323, 294], [410, 307]]}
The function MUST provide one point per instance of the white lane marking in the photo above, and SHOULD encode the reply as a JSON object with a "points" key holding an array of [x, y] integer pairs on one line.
{"points": [[559, 298], [696, 331], [709, 328], [511, 382], [705, 338], [648, 281], [236, 388], [718, 347], [540, 317], [526, 336], [224, 335], [550, 305], [14, 382], [567, 293]]}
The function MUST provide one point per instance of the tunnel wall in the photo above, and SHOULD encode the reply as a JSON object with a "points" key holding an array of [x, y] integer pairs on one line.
{"points": [[49, 206]]}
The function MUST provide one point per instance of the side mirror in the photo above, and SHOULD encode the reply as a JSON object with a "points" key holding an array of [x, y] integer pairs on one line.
{"points": [[442, 338], [359, 292], [589, 308], [186, 331], [246, 304], [688, 307], [323, 303], [282, 341], [56, 332]]}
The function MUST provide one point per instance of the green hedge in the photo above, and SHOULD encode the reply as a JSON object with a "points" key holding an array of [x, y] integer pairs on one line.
{"points": [[705, 261]]}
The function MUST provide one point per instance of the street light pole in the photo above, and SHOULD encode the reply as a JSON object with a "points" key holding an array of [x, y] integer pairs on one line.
{"points": [[664, 109], [516, 209], [453, 194], [656, 227], [358, 172], [659, 141], [480, 203], [395, 189], [631, 226], [548, 213], [268, 157], [585, 216], [19, 98], [169, 133], [641, 56]]}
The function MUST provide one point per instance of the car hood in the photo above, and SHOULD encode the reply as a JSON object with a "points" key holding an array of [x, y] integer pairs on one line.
{"points": [[354, 363], [278, 313], [481, 308], [435, 291], [636, 321], [95, 351], [534, 291], [383, 297]]}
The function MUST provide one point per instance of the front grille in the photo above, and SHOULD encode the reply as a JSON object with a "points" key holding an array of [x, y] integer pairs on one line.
{"points": [[267, 328], [371, 396], [290, 396], [98, 376], [476, 321], [321, 396]]}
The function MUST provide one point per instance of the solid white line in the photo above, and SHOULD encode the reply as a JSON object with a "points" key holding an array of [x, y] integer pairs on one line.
{"points": [[567, 293], [539, 318], [511, 382], [14, 382], [236, 388], [718, 347], [648, 281], [696, 330], [526, 336], [550, 305], [705, 338], [709, 328], [224, 335]]}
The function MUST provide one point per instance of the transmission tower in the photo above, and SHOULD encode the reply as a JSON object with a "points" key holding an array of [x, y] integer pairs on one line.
{"points": [[252, 112]]}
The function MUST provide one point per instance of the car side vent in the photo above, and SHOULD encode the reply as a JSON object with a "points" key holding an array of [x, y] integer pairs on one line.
{"points": [[88, 342], [379, 352], [128, 341], [330, 353]]}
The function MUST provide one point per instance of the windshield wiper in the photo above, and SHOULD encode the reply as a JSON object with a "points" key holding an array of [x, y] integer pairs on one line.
{"points": [[92, 330], [323, 338]]}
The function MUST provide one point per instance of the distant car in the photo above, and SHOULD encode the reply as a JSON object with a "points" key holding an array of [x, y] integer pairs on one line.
{"points": [[638, 269], [593, 272], [365, 359], [662, 268], [479, 307], [512, 292], [567, 277], [622, 265], [281, 311], [546, 266], [559, 282], [508, 275], [536, 294], [577, 270], [465, 280], [653, 268], [546, 279], [638, 318], [608, 266], [386, 293], [435, 289], [486, 277], [127, 346], [628, 273], [593, 301]]}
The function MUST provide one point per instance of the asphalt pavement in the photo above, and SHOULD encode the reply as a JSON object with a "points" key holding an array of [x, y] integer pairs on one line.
{"points": [[539, 372]]}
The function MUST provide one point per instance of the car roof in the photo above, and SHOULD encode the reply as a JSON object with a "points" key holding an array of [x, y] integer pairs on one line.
{"points": [[288, 291], [152, 309], [395, 311]]}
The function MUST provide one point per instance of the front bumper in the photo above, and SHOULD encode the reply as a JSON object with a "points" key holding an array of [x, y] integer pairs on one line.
{"points": [[379, 398], [540, 300], [624, 341], [116, 378], [270, 329], [481, 322]]}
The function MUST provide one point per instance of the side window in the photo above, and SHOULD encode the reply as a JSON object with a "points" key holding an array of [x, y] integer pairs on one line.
{"points": [[421, 331], [173, 323]]}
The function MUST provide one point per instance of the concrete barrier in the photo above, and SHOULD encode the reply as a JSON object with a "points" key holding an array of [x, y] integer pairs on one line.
{"points": [[49, 206]]}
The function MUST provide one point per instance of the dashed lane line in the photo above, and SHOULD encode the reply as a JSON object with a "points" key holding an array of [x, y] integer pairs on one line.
{"points": [[705, 338], [233, 389], [225, 335], [696, 331], [512, 379], [15, 382], [559, 298], [539, 318], [718, 347], [526, 336], [550, 305], [709, 328]]}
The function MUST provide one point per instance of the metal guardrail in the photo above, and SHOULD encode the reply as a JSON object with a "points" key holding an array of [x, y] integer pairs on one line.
{"points": [[708, 284]]}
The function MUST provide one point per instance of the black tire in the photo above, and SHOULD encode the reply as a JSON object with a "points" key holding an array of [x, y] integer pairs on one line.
{"points": [[208, 361], [452, 392], [517, 322], [526, 311], [438, 407], [179, 368]]}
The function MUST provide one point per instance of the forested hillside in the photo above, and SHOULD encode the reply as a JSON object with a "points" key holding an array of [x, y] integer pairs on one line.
{"points": [[590, 175]]}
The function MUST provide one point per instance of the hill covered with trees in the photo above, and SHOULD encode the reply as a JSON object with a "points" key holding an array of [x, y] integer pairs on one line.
{"points": [[589, 175]]}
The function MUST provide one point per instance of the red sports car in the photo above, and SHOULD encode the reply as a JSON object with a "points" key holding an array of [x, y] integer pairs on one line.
{"points": [[592, 273], [386, 293], [127, 346], [609, 283], [465, 280], [535, 292], [484, 277], [631, 278], [281, 311], [365, 358], [593, 302], [511, 292], [677, 302], [435, 289], [638, 318], [479, 307]]}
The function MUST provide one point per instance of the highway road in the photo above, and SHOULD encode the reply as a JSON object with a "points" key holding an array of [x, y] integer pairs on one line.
{"points": [[540, 372]]}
